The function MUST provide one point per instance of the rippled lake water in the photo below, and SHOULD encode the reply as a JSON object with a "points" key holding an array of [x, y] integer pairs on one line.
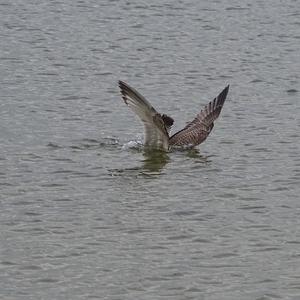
{"points": [[84, 215]]}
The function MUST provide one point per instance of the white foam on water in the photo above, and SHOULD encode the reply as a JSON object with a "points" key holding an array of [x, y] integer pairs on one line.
{"points": [[132, 145]]}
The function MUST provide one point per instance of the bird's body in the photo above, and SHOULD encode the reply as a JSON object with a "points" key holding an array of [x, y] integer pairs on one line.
{"points": [[157, 126]]}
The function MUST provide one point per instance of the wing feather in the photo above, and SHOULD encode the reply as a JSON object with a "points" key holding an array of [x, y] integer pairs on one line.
{"points": [[195, 132], [156, 133]]}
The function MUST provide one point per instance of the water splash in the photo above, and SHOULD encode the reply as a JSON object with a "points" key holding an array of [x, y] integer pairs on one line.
{"points": [[135, 145]]}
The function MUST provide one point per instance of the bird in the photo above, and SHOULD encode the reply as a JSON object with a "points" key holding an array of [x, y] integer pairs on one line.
{"points": [[157, 126]]}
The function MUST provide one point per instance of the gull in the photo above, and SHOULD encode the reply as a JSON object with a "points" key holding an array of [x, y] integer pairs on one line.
{"points": [[157, 126]]}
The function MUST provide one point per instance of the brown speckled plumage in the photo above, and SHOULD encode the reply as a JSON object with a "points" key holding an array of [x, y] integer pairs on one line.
{"points": [[157, 126]]}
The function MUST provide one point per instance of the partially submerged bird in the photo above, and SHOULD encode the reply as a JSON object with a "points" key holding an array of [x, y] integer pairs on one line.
{"points": [[157, 126]]}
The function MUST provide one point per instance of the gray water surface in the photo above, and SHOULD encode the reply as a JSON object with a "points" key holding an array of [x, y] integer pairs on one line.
{"points": [[83, 215]]}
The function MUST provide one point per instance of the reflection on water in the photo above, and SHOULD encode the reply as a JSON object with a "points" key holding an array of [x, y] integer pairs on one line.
{"points": [[155, 160], [152, 163], [195, 153]]}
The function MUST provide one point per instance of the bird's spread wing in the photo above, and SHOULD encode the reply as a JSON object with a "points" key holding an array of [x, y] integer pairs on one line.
{"points": [[156, 125], [195, 132]]}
